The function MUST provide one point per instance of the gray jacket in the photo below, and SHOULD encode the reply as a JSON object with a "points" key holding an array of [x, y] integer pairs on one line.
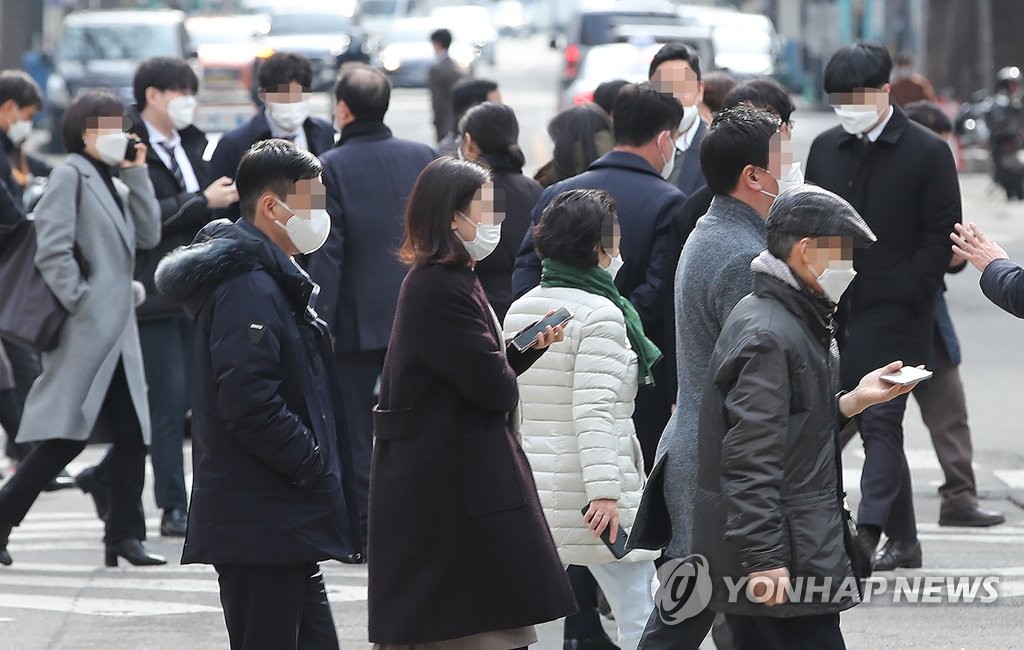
{"points": [[713, 275], [65, 401]]}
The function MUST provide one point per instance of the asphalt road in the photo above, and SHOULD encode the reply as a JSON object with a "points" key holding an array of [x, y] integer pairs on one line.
{"points": [[57, 595]]}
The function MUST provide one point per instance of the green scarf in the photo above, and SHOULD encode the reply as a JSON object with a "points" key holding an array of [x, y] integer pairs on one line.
{"points": [[598, 282]]}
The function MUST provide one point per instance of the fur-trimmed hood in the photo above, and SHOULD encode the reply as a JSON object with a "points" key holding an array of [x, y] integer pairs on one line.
{"points": [[223, 250]]}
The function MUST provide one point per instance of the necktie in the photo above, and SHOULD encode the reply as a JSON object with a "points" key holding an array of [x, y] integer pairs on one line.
{"points": [[174, 167]]}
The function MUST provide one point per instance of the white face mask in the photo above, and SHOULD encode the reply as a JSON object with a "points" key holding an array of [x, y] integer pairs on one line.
{"points": [[857, 120], [670, 163], [19, 131], [690, 115], [308, 234], [486, 240], [289, 116], [835, 281], [793, 178], [614, 266], [112, 147], [182, 111]]}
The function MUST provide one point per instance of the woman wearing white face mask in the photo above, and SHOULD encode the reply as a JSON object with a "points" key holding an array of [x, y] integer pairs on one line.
{"points": [[20, 100], [450, 483], [88, 225]]}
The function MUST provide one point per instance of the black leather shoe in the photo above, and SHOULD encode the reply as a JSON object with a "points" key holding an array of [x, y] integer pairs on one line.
{"points": [[595, 643], [355, 558], [88, 482], [5, 534], [174, 522], [62, 481], [899, 555], [134, 551], [973, 517]]}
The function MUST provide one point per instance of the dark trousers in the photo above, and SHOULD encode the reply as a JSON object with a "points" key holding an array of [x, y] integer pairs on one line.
{"points": [[128, 468], [886, 487], [167, 357], [687, 635], [944, 410], [586, 622], [651, 413], [796, 633], [276, 607], [358, 373], [26, 366], [10, 420]]}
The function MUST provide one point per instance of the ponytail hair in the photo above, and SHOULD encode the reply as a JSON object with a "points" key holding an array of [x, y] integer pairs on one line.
{"points": [[495, 130]]}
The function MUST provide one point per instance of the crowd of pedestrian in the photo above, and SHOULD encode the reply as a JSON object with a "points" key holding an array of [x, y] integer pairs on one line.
{"points": [[359, 332]]}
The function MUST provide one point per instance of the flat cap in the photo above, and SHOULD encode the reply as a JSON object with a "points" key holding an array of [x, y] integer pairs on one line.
{"points": [[810, 211]]}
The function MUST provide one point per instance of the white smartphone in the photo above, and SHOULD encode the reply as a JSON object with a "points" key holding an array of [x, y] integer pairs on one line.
{"points": [[907, 375]]}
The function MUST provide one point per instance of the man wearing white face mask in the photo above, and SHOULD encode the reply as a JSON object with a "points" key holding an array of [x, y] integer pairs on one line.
{"points": [[675, 69], [902, 178], [270, 447], [285, 80], [162, 118], [20, 100]]}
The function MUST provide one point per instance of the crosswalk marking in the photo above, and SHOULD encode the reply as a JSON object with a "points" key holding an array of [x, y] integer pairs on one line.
{"points": [[102, 606]]}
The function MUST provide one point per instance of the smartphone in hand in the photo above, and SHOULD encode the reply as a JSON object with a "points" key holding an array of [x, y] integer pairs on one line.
{"points": [[907, 375], [528, 337], [618, 549]]}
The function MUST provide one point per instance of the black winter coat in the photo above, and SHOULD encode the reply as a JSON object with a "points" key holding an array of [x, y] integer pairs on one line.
{"points": [[369, 176], [515, 196], [272, 479], [769, 478], [905, 186], [1003, 284], [182, 214], [458, 543]]}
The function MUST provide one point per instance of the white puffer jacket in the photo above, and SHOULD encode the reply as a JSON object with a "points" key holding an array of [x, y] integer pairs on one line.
{"points": [[577, 430]]}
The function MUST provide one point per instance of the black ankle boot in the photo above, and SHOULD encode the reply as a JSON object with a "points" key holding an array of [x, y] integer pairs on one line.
{"points": [[5, 534], [133, 551]]}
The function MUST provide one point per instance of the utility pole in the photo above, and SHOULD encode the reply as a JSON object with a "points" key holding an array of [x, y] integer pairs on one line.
{"points": [[986, 36]]}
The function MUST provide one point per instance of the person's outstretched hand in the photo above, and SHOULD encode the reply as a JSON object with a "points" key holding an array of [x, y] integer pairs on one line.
{"points": [[970, 243]]}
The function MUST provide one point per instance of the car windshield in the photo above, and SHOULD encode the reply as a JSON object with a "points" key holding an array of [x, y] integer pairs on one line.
{"points": [[107, 42], [378, 7], [322, 23], [598, 28]]}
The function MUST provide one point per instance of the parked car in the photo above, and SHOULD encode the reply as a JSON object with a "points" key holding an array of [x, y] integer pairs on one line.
{"points": [[227, 52], [101, 49], [470, 24], [746, 45], [592, 27], [375, 16], [328, 38], [605, 63], [407, 54]]}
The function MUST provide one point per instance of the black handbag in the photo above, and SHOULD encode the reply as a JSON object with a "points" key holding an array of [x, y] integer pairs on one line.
{"points": [[30, 314]]}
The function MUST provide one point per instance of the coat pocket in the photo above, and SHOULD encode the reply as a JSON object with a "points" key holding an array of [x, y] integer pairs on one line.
{"points": [[392, 424], [817, 548], [490, 476]]}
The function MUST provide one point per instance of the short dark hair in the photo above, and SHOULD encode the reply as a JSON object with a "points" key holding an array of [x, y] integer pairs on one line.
{"points": [[365, 89], [16, 85], [641, 113], [573, 224], [468, 92], [442, 37], [444, 187], [574, 132], [861, 65], [676, 52], [495, 129], [780, 244], [765, 94], [282, 68], [929, 115], [717, 85], [88, 105], [163, 73], [605, 94], [275, 165], [738, 137]]}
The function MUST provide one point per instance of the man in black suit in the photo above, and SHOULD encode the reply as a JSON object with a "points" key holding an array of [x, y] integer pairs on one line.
{"points": [[646, 128], [902, 178], [440, 80], [285, 80], [676, 69], [161, 118], [368, 176]]}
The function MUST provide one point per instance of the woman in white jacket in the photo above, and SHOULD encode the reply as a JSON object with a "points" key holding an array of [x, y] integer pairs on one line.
{"points": [[577, 401]]}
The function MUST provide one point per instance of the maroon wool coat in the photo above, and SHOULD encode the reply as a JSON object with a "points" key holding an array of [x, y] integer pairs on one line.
{"points": [[458, 543]]}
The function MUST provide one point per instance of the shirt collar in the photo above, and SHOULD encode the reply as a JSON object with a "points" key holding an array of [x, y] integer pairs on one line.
{"points": [[156, 137], [686, 139], [873, 134]]}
